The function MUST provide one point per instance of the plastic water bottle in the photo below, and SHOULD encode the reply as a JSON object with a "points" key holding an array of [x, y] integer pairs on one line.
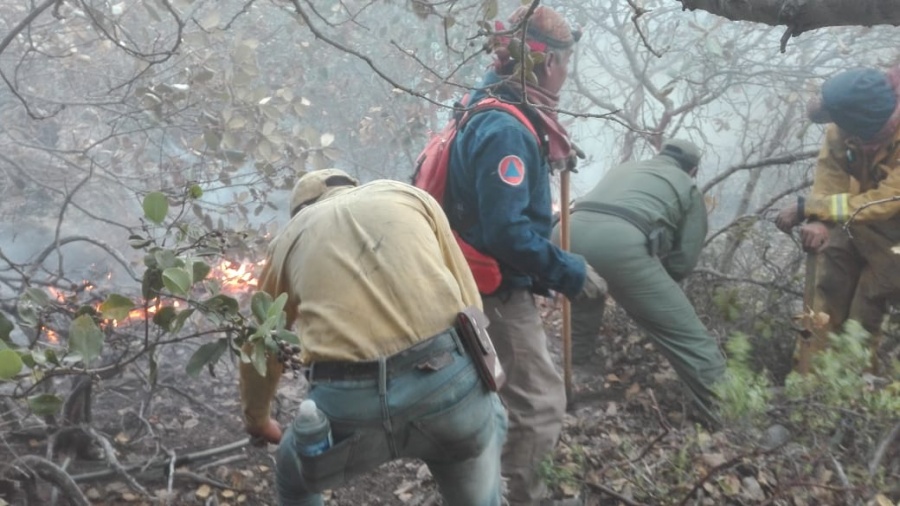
{"points": [[312, 432]]}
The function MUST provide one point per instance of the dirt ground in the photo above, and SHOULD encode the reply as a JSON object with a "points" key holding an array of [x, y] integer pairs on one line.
{"points": [[631, 400]]}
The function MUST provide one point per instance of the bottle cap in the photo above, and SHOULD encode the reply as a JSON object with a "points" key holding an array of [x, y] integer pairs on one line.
{"points": [[308, 408]]}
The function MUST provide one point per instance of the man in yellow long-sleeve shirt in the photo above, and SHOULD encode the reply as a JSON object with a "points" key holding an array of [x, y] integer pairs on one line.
{"points": [[857, 174], [375, 280]]}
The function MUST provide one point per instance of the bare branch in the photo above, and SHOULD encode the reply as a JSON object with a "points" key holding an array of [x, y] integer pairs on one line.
{"points": [[638, 12], [766, 162], [801, 16], [166, 462], [52, 473], [16, 30], [75, 238], [882, 448], [870, 204]]}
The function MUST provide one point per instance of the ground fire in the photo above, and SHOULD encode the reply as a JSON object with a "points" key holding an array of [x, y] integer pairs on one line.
{"points": [[234, 278]]}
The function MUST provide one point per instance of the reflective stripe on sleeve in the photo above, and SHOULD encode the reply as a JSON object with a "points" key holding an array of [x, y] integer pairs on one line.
{"points": [[840, 207]]}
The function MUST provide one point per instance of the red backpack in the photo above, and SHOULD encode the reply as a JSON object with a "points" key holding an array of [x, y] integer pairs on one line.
{"points": [[431, 175]]}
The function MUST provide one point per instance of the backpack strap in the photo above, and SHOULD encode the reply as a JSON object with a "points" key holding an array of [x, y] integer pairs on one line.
{"points": [[493, 103]]}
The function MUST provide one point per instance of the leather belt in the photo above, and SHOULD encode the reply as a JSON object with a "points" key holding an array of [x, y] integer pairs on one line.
{"points": [[431, 354]]}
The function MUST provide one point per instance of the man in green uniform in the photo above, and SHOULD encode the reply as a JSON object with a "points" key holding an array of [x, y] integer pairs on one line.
{"points": [[642, 228]]}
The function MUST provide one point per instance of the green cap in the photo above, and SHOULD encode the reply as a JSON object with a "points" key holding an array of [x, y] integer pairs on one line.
{"points": [[686, 153]]}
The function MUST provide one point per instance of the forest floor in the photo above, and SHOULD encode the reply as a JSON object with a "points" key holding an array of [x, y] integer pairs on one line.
{"points": [[627, 441]]}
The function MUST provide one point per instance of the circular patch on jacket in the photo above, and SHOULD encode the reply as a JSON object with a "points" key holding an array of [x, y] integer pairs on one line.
{"points": [[511, 170]]}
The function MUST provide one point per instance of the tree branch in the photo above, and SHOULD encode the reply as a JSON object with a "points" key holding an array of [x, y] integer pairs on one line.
{"points": [[52, 473], [765, 162], [165, 462], [802, 16], [16, 30], [75, 238]]}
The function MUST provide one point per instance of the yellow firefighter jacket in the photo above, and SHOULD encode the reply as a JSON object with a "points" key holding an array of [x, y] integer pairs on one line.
{"points": [[848, 181]]}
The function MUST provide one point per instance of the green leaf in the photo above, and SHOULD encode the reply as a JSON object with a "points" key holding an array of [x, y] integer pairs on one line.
{"points": [[6, 328], [277, 307], [38, 296], [85, 338], [151, 284], [45, 404], [260, 303], [490, 9], [222, 304], [195, 191], [10, 364], [85, 309], [51, 357], [201, 270], [166, 258], [138, 241], [177, 280], [28, 360], [37, 357], [180, 319], [208, 353], [259, 357], [288, 337], [165, 316], [116, 307], [156, 206], [28, 315]]}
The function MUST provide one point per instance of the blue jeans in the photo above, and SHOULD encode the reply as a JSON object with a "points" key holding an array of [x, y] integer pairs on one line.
{"points": [[446, 418]]}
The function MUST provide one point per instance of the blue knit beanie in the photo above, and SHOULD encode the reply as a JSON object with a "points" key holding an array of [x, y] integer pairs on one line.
{"points": [[859, 101]]}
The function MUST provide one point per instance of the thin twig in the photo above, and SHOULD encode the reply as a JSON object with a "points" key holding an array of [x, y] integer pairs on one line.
{"points": [[113, 461], [52, 473], [188, 475], [193, 399], [723, 466], [221, 462], [16, 30], [610, 492], [75, 238], [869, 204], [881, 450], [172, 457], [638, 12], [163, 462]]}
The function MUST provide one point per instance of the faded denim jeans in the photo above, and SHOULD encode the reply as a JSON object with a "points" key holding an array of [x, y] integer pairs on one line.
{"points": [[446, 418]]}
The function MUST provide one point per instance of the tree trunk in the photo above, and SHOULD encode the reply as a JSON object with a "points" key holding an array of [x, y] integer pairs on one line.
{"points": [[804, 15], [737, 234]]}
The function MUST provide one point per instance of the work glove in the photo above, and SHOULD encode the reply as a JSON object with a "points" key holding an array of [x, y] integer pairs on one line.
{"points": [[814, 236], [594, 286], [268, 432]]}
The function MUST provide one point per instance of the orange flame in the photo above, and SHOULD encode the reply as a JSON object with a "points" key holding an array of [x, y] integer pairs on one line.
{"points": [[57, 294], [52, 336], [236, 276]]}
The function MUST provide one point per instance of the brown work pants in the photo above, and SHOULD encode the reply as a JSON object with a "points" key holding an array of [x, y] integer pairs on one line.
{"points": [[534, 393], [857, 275]]}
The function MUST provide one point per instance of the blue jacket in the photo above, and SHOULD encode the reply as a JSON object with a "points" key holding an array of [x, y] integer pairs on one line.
{"points": [[498, 199]]}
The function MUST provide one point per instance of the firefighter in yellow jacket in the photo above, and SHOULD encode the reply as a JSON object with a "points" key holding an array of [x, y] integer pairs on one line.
{"points": [[851, 220]]}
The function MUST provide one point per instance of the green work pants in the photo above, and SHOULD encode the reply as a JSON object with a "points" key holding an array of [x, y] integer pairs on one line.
{"points": [[641, 286]]}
